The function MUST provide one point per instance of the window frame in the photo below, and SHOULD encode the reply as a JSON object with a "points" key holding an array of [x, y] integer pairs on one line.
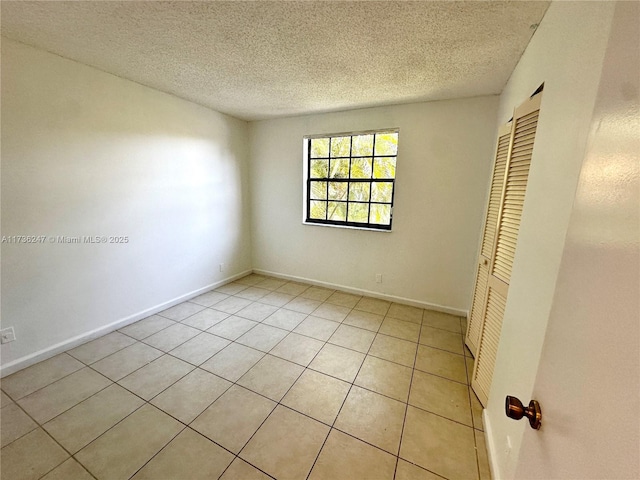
{"points": [[372, 227]]}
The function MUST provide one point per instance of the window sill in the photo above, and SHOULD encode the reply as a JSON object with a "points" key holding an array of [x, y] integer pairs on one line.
{"points": [[349, 227]]}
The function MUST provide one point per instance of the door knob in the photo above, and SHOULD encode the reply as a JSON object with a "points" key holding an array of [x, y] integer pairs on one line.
{"points": [[514, 409]]}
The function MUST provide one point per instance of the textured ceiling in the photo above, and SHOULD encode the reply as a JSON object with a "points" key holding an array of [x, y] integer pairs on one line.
{"points": [[266, 59]]}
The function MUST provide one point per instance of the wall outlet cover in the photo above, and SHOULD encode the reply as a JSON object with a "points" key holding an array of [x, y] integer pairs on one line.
{"points": [[7, 335]]}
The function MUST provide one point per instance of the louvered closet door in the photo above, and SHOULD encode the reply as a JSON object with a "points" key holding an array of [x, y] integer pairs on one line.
{"points": [[525, 121], [474, 326]]}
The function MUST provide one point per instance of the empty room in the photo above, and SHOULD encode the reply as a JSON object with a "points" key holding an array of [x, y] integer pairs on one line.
{"points": [[320, 240]]}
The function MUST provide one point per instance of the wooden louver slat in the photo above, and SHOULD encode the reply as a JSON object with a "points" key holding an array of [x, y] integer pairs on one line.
{"points": [[477, 308], [505, 243], [486, 357], [494, 196], [522, 150], [516, 180], [474, 327]]}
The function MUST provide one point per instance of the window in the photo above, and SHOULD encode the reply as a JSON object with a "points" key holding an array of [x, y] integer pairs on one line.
{"points": [[350, 179]]}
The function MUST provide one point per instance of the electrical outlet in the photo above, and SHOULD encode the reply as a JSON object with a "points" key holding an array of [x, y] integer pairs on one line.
{"points": [[222, 267], [7, 335], [378, 278]]}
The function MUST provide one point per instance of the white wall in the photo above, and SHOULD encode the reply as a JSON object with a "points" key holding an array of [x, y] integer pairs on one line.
{"points": [[591, 354], [566, 53], [88, 153], [444, 165]]}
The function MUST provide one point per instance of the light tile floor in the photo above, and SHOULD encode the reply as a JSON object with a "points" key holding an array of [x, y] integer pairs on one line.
{"points": [[260, 378]]}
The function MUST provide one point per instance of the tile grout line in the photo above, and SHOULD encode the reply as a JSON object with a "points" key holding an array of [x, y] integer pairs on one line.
{"points": [[406, 409], [112, 382], [236, 456], [15, 400], [424, 469], [145, 402], [161, 449], [325, 301], [185, 425], [473, 423], [242, 386], [340, 409], [94, 340], [351, 383], [307, 367], [278, 403], [64, 411], [425, 410], [46, 432]]}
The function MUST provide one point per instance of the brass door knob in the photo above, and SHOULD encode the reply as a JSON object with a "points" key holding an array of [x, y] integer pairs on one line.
{"points": [[514, 409]]}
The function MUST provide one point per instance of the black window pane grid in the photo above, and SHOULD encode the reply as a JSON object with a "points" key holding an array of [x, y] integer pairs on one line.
{"points": [[355, 186]]}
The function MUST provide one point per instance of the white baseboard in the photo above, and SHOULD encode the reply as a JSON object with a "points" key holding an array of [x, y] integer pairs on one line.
{"points": [[491, 447], [53, 350], [360, 291], [27, 360]]}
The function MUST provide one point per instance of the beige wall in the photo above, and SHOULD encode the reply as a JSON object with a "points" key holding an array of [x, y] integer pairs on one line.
{"points": [[566, 53], [591, 354], [88, 153], [444, 164]]}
